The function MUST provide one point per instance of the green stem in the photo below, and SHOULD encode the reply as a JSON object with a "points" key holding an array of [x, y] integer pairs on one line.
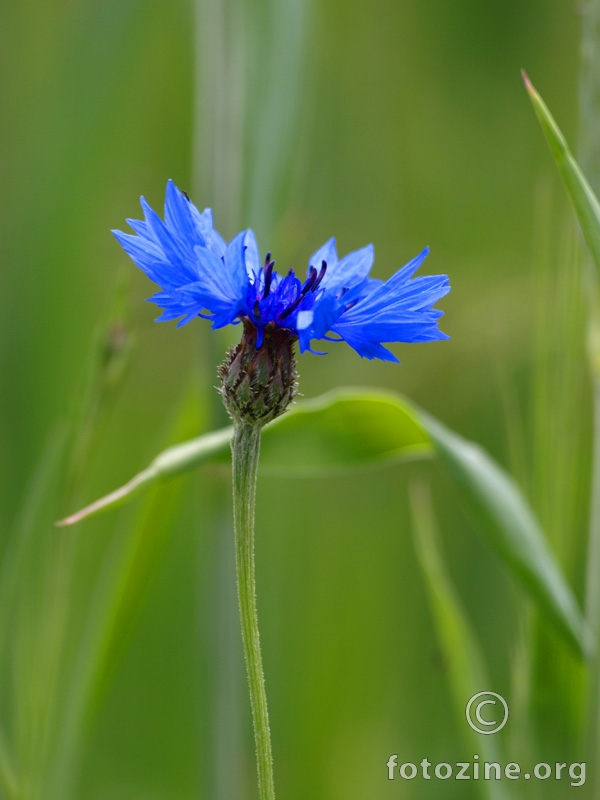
{"points": [[245, 449]]}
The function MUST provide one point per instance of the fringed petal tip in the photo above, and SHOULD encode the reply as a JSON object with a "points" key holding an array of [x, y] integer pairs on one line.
{"points": [[201, 276]]}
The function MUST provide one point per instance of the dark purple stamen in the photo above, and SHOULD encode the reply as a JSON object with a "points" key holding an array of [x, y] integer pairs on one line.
{"points": [[320, 276], [294, 305], [310, 284], [268, 277]]}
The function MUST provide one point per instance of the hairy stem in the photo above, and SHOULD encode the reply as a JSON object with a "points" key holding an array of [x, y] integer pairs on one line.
{"points": [[245, 449]]}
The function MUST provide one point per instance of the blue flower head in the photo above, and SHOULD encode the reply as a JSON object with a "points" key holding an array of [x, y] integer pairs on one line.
{"points": [[202, 276]]}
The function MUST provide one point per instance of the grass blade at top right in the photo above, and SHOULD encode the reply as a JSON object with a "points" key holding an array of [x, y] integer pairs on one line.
{"points": [[584, 201], [587, 209]]}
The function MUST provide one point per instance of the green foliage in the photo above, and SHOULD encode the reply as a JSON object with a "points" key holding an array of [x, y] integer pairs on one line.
{"points": [[336, 433], [585, 203], [467, 672], [510, 525], [342, 431], [352, 429], [405, 126]]}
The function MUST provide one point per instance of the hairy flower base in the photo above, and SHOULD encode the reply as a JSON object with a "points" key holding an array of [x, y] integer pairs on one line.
{"points": [[259, 383]]}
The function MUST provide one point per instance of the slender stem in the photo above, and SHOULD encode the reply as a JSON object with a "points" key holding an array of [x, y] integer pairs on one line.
{"points": [[245, 449]]}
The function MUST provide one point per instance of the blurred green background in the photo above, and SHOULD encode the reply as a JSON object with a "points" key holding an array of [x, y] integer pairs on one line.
{"points": [[402, 124]]}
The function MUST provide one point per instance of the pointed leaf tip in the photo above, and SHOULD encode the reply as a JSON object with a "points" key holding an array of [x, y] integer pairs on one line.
{"points": [[584, 201]]}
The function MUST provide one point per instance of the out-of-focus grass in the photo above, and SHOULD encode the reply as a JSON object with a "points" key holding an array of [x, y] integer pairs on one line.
{"points": [[467, 672], [413, 130], [553, 459]]}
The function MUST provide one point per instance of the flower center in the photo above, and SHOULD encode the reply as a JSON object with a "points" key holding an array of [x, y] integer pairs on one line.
{"points": [[272, 298]]}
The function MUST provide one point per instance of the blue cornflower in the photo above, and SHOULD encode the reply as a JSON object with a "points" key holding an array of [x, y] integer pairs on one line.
{"points": [[202, 276]]}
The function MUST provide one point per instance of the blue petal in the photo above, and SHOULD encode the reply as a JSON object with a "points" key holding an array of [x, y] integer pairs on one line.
{"points": [[149, 258], [407, 330], [174, 252], [422, 291], [326, 312], [360, 290], [211, 273], [366, 347], [399, 310], [187, 319], [392, 304], [252, 257], [327, 253], [138, 248], [352, 269], [392, 286], [235, 273], [194, 299], [204, 222], [179, 220], [304, 327], [199, 275], [140, 227]]}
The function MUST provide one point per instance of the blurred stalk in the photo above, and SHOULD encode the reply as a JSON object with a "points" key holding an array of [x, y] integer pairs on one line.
{"points": [[115, 594], [547, 680], [589, 94], [589, 159], [219, 109], [36, 584], [65, 720], [557, 679], [217, 160], [251, 85], [24, 542], [275, 101], [466, 668], [249, 74]]}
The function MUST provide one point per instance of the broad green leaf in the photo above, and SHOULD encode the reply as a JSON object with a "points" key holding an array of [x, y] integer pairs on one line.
{"points": [[464, 661], [343, 430], [583, 199], [340, 432], [510, 526], [170, 462], [350, 429]]}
